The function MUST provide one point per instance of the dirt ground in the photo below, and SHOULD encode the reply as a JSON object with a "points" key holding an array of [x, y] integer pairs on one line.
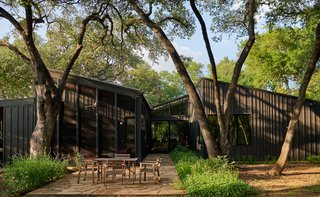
{"points": [[297, 179]]}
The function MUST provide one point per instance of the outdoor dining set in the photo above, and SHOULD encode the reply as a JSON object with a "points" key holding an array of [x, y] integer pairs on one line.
{"points": [[120, 164]]}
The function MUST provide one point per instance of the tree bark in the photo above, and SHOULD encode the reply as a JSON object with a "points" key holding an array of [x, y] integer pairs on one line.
{"points": [[223, 111], [192, 92], [279, 166], [46, 116]]}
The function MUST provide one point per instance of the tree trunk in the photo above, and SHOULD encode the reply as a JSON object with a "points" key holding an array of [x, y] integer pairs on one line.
{"points": [[223, 114], [47, 111], [192, 92], [279, 166], [48, 95]]}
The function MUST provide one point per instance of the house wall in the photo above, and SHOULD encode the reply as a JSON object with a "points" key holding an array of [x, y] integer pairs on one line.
{"points": [[18, 123], [95, 118], [269, 117], [99, 119]]}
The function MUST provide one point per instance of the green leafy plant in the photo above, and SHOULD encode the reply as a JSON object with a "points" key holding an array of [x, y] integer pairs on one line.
{"points": [[25, 174], [315, 159], [211, 177]]}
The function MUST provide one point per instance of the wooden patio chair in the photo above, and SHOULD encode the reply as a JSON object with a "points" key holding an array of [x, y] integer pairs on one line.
{"points": [[127, 167], [85, 165], [151, 166], [112, 168]]}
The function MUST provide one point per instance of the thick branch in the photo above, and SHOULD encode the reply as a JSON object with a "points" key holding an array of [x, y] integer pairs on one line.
{"points": [[35, 59], [220, 114], [40, 70], [244, 54], [16, 51], [173, 18], [12, 20], [29, 21], [76, 54]]}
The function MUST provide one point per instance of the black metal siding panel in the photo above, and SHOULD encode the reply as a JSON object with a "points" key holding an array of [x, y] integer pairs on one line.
{"points": [[18, 119], [14, 133], [272, 126], [316, 130], [20, 129], [210, 99], [25, 133], [279, 108], [270, 115], [223, 92], [311, 127], [31, 124], [7, 133], [304, 123]]}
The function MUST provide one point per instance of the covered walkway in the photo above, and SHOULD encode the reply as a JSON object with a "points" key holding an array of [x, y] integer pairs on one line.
{"points": [[68, 186]]}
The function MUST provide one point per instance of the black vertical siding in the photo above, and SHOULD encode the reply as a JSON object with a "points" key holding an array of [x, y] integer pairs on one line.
{"points": [[269, 117], [18, 124]]}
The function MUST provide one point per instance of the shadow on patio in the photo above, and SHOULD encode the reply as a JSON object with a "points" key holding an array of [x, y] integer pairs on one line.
{"points": [[68, 185]]}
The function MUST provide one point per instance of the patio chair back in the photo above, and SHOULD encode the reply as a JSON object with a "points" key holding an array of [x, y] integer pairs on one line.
{"points": [[113, 168], [151, 166]]}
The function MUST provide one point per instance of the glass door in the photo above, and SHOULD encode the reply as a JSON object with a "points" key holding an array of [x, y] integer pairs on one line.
{"points": [[160, 136], [130, 138], [177, 134]]}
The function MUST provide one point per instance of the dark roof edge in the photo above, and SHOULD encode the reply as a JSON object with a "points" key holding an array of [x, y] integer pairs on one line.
{"points": [[100, 84], [172, 101], [19, 101], [96, 81], [262, 90]]}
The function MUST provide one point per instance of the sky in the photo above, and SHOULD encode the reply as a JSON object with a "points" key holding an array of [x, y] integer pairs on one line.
{"points": [[195, 48]]}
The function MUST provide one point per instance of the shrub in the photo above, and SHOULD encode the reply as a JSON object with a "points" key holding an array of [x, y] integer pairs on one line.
{"points": [[315, 159], [185, 156], [26, 174], [212, 177], [183, 159], [216, 184]]}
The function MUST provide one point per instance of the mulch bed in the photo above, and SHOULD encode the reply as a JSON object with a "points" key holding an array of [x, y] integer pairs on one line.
{"points": [[297, 179]]}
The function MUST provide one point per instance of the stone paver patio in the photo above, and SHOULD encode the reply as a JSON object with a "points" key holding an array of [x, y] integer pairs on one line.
{"points": [[68, 186]]}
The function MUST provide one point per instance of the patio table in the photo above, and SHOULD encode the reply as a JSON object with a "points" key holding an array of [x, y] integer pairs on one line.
{"points": [[130, 161]]}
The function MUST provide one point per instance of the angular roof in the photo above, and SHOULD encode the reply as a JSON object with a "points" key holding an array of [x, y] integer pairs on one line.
{"points": [[102, 85]]}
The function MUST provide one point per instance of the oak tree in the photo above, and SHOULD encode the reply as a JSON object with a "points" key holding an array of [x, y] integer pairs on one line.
{"points": [[26, 17]]}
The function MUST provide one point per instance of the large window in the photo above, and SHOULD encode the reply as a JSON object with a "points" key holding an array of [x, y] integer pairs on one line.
{"points": [[239, 128]]}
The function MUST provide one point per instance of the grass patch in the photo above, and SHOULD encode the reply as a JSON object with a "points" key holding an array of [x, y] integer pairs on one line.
{"points": [[26, 174], [314, 159], [211, 177], [313, 189]]}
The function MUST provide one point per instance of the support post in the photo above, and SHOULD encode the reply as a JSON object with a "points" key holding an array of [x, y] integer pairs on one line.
{"points": [[116, 121], [97, 123], [138, 127], [77, 118]]}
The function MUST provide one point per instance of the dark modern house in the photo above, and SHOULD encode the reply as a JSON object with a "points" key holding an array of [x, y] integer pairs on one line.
{"points": [[97, 118], [100, 119], [259, 122]]}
